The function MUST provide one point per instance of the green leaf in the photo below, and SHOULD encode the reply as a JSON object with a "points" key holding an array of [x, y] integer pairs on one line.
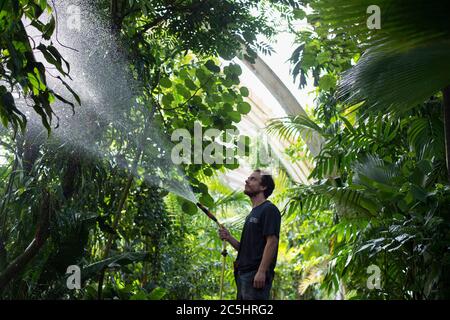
{"points": [[190, 84], [227, 82], [308, 60], [140, 295], [165, 82], [48, 29], [183, 91], [418, 193], [71, 90], [58, 56], [228, 97], [197, 100], [43, 4], [299, 14], [211, 66], [33, 82], [323, 57], [227, 107], [207, 200], [235, 69], [235, 116], [157, 294], [167, 100], [327, 82], [201, 75], [232, 166], [244, 91], [120, 259], [208, 172], [244, 107], [189, 207]]}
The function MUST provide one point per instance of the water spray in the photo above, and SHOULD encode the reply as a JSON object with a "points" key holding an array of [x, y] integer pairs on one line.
{"points": [[224, 244]]}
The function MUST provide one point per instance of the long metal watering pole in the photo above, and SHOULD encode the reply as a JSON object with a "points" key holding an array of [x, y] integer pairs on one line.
{"points": [[224, 245]]}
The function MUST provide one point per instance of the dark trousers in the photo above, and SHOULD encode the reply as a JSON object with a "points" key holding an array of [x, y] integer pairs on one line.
{"points": [[245, 289]]}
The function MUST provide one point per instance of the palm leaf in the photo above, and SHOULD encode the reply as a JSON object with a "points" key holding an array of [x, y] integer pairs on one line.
{"points": [[404, 23], [372, 172], [291, 127], [327, 164], [397, 80], [115, 261], [426, 137], [405, 61], [314, 276], [232, 199], [324, 197]]}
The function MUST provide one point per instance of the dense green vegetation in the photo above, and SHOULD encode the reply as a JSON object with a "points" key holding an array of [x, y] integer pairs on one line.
{"points": [[379, 190]]}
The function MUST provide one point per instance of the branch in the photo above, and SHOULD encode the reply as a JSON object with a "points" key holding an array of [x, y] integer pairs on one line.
{"points": [[154, 23], [165, 16], [56, 29], [185, 102]]}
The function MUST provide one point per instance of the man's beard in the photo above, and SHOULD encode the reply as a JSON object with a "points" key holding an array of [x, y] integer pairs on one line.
{"points": [[250, 193]]}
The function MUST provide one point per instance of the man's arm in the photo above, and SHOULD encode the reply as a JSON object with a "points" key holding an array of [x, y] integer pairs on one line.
{"points": [[225, 235], [269, 253]]}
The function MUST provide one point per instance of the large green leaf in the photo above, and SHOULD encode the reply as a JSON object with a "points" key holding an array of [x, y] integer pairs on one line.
{"points": [[118, 260], [405, 61], [397, 80]]}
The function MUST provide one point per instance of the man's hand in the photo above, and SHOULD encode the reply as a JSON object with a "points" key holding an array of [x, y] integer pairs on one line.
{"points": [[224, 234], [260, 280]]}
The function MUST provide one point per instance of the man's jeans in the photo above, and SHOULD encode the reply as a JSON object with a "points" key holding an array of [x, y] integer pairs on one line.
{"points": [[245, 289]]}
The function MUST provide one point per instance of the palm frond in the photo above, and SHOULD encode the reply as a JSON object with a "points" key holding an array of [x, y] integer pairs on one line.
{"points": [[291, 127], [397, 80], [328, 164], [403, 23], [282, 188], [371, 133], [372, 172], [324, 197], [426, 137], [232, 199], [405, 61], [235, 222], [315, 276]]}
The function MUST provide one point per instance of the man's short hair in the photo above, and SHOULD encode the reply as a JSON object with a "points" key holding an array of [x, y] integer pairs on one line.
{"points": [[266, 181]]}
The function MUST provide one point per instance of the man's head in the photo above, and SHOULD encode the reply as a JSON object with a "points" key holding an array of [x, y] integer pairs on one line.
{"points": [[259, 182]]}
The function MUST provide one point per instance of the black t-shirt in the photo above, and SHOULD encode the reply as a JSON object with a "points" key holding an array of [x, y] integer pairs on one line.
{"points": [[264, 220]]}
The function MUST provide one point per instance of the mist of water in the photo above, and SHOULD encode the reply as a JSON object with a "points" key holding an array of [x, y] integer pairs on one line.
{"points": [[108, 95]]}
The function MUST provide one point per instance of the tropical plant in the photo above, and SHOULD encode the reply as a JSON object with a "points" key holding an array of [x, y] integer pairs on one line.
{"points": [[403, 62], [380, 176], [88, 197]]}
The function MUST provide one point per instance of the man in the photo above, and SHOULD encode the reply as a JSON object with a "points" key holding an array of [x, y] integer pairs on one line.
{"points": [[257, 250]]}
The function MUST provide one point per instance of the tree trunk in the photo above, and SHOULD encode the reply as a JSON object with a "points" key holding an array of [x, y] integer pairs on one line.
{"points": [[72, 171], [116, 8], [446, 94]]}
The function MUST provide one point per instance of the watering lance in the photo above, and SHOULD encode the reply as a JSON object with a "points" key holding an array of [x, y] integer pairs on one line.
{"points": [[209, 214], [224, 244]]}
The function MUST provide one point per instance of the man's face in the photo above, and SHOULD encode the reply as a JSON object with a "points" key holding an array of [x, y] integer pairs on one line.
{"points": [[253, 184]]}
